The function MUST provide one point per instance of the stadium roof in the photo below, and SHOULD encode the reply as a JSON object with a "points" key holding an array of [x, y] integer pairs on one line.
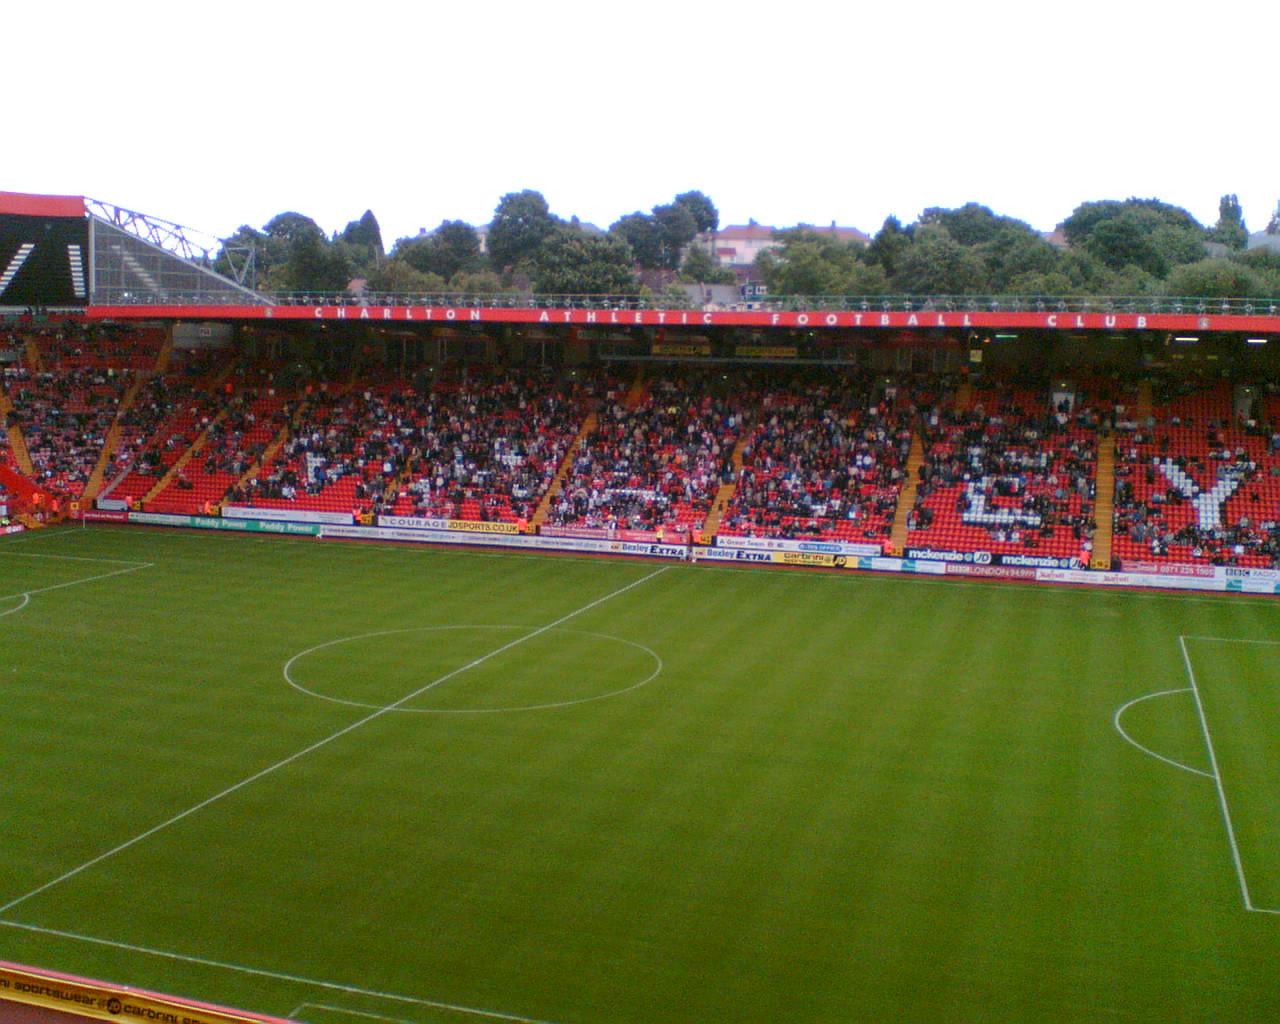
{"points": [[72, 251]]}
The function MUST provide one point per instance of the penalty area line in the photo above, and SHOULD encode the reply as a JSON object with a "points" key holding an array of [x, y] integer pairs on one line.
{"points": [[136, 567], [260, 972], [1216, 775]]}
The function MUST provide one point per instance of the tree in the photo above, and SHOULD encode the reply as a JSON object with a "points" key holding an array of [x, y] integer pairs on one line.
{"points": [[809, 262], [1216, 279], [521, 224], [573, 263], [974, 224], [365, 233], [396, 276], [291, 226], [643, 233], [700, 268], [937, 265], [244, 257], [1230, 229], [451, 249], [313, 264], [1014, 253], [361, 240], [703, 211], [677, 229], [477, 282], [888, 246], [1144, 233]]}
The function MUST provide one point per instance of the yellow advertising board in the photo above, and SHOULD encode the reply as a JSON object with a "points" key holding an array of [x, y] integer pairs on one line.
{"points": [[811, 558], [94, 1000]]}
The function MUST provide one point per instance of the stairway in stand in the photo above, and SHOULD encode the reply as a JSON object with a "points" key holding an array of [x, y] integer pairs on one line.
{"points": [[17, 443], [638, 392], [213, 384], [907, 499], [34, 363], [562, 471], [711, 525], [1104, 497], [94, 484], [1143, 411]]}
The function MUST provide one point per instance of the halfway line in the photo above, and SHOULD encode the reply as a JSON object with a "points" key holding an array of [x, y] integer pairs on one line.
{"points": [[320, 743]]}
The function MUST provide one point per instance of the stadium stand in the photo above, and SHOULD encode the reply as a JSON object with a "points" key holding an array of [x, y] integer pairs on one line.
{"points": [[823, 461], [1199, 484], [656, 462], [1013, 474]]}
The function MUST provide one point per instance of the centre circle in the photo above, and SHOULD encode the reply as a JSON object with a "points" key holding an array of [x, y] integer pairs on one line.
{"points": [[471, 669]]}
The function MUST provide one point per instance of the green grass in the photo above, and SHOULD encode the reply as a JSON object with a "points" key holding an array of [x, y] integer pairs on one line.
{"points": [[612, 792]]}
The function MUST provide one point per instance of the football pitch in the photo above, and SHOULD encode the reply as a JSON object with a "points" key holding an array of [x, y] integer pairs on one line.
{"points": [[354, 782]]}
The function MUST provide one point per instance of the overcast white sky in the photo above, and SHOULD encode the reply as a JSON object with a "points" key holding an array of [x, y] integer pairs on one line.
{"points": [[220, 114]]}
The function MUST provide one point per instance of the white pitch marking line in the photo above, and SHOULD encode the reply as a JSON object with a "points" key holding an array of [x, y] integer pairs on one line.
{"points": [[26, 600], [1147, 750], [1217, 777], [323, 742], [344, 1011], [259, 972], [1233, 640], [74, 558], [75, 583], [288, 678]]}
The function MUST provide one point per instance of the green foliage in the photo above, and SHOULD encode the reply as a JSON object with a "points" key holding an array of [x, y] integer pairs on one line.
{"points": [[451, 249], [397, 276], [363, 243], [643, 233], [314, 264], [1216, 279], [235, 253], [705, 215], [888, 246], [699, 267], [809, 262], [1144, 233], [477, 282], [1129, 280], [1230, 229], [677, 228], [291, 226], [1036, 282], [574, 263], [974, 224], [1016, 252], [936, 264], [1114, 246], [521, 223]]}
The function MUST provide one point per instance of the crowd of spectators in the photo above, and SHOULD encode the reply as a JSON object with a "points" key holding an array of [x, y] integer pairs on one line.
{"points": [[471, 442], [657, 462], [820, 455], [1197, 482], [825, 459], [64, 418], [486, 445], [1013, 472]]}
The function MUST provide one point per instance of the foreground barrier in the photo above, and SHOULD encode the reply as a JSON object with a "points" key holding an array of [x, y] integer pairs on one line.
{"points": [[34, 996]]}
